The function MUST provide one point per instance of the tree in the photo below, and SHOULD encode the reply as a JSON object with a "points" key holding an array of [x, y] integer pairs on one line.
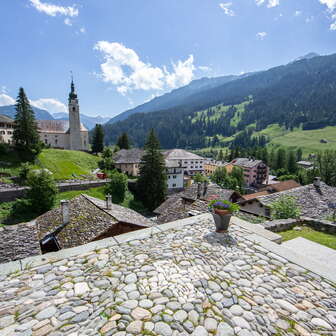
{"points": [[219, 175], [299, 154], [123, 141], [24, 172], [237, 174], [152, 182], [291, 163], [25, 135], [42, 192], [285, 207], [326, 164], [220, 156], [106, 163], [199, 178], [117, 187], [98, 139], [280, 160]]}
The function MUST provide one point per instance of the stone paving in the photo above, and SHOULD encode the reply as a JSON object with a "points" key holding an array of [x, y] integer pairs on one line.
{"points": [[179, 282]]}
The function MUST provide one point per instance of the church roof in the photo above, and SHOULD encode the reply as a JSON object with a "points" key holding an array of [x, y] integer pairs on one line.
{"points": [[56, 126]]}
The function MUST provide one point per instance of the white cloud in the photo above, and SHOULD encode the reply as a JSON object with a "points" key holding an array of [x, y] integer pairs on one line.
{"points": [[269, 3], [54, 10], [68, 22], [123, 67], [6, 100], [331, 4], [204, 68], [297, 13], [82, 30], [50, 104], [261, 35], [226, 8]]}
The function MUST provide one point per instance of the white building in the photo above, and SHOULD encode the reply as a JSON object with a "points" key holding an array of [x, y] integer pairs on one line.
{"points": [[63, 133], [191, 162], [6, 129], [175, 175]]}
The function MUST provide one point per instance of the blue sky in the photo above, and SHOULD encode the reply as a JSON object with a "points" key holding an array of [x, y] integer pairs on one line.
{"points": [[124, 52]]}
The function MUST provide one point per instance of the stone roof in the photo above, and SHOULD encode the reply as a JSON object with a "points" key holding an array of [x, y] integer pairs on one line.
{"points": [[282, 186], [184, 204], [6, 119], [245, 162], [88, 221], [133, 155], [312, 201], [181, 154], [122, 214], [18, 242], [56, 126], [181, 281], [249, 197]]}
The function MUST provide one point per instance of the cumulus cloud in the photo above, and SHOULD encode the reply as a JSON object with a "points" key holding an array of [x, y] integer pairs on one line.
{"points": [[123, 67], [53, 10], [68, 22], [261, 35], [50, 104], [331, 5], [269, 3], [297, 13], [6, 100], [82, 30], [226, 8]]}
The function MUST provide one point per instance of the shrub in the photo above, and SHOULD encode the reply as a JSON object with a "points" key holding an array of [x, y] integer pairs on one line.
{"points": [[285, 207], [117, 187], [42, 192]]}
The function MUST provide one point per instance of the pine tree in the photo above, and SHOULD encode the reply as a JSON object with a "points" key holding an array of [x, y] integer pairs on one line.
{"points": [[291, 163], [280, 160], [152, 182], [299, 154], [123, 142], [25, 135], [98, 139]]}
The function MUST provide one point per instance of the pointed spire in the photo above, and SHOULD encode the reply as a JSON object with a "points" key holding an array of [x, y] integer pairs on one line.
{"points": [[72, 94]]}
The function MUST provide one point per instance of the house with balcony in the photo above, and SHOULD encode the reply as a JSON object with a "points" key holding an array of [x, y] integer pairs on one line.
{"points": [[6, 129], [175, 175], [255, 172]]}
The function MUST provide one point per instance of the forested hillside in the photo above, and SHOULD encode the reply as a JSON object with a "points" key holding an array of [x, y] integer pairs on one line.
{"points": [[300, 94]]}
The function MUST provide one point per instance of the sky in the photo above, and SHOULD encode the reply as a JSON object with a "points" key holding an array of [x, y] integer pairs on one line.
{"points": [[123, 53]]}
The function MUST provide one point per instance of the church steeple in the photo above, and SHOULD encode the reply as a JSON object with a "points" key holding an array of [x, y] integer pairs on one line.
{"points": [[72, 94]]}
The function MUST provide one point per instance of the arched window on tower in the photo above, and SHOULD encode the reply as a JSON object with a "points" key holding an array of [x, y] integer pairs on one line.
{"points": [[74, 109]]}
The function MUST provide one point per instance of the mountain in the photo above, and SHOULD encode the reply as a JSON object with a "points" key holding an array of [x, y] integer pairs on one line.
{"points": [[299, 94], [178, 96], [307, 57], [10, 111], [88, 121]]}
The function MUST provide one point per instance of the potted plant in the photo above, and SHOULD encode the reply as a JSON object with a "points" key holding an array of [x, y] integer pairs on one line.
{"points": [[222, 213]]}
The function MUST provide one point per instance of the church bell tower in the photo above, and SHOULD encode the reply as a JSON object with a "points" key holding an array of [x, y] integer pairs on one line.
{"points": [[74, 120]]}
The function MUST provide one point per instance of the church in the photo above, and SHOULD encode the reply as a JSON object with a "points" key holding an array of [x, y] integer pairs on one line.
{"points": [[65, 134]]}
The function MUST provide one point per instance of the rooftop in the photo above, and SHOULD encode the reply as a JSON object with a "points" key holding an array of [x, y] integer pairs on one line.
{"points": [[5, 119], [181, 154], [133, 155], [175, 279], [55, 126], [246, 162], [313, 201]]}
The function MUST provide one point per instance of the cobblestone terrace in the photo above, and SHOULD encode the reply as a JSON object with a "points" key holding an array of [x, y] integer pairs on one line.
{"points": [[178, 282]]}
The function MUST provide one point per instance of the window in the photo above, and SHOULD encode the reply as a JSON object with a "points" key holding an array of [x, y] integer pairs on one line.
{"points": [[46, 141], [74, 109], [174, 176], [55, 141], [267, 212], [174, 185]]}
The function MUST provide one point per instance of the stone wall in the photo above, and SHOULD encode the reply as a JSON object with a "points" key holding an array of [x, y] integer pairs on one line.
{"points": [[9, 195], [287, 224]]}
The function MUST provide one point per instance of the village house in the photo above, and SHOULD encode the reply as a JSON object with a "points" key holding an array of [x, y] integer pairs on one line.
{"points": [[76, 222], [6, 129], [193, 163], [175, 175], [313, 200], [305, 164], [211, 165], [255, 171], [128, 161]]}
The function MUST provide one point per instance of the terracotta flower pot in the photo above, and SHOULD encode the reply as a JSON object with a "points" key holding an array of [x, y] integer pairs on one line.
{"points": [[222, 220]]}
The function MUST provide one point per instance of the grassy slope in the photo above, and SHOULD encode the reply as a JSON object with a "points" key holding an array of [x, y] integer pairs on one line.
{"points": [[315, 236], [64, 164]]}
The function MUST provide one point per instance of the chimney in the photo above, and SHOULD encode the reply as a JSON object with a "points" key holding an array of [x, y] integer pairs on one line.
{"points": [[317, 182], [65, 211], [205, 187], [199, 185], [108, 201]]}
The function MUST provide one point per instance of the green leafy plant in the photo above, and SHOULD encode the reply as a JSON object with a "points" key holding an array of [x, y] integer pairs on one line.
{"points": [[285, 207]]}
